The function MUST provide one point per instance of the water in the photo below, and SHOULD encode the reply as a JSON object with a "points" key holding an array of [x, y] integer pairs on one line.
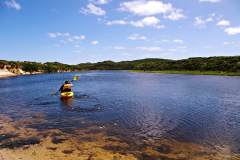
{"points": [[203, 110]]}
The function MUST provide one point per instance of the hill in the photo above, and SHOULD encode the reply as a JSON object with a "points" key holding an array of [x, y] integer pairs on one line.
{"points": [[202, 64]]}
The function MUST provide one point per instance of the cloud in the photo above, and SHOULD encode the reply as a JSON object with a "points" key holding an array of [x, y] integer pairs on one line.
{"points": [[172, 50], [231, 43], [58, 34], [13, 4], [94, 42], [81, 37], [137, 37], [149, 49], [92, 9], [232, 30], [211, 1], [175, 15], [182, 47], [117, 22], [76, 46], [164, 40], [223, 23], [202, 22], [66, 37], [119, 48], [151, 8], [100, 2], [178, 41], [52, 35], [147, 22]]}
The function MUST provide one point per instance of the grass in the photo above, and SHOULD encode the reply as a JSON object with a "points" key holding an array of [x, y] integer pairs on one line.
{"points": [[220, 73]]}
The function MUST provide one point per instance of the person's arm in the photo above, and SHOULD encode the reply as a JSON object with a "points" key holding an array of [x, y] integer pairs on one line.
{"points": [[60, 89]]}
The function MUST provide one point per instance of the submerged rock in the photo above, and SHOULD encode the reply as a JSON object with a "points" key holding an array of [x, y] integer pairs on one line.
{"points": [[7, 136], [12, 144], [68, 151], [164, 149], [57, 140]]}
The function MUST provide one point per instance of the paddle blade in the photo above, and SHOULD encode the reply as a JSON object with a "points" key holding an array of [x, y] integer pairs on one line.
{"points": [[76, 78]]}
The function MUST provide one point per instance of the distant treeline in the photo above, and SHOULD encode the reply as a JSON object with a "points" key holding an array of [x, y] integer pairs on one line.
{"points": [[226, 64]]}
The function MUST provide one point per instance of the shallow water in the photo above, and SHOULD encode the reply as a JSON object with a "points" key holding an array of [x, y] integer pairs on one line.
{"points": [[203, 110]]}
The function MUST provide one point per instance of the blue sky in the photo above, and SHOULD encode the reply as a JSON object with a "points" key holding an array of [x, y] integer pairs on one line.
{"points": [[75, 31]]}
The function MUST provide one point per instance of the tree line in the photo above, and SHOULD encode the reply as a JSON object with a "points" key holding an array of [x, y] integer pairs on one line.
{"points": [[226, 64]]}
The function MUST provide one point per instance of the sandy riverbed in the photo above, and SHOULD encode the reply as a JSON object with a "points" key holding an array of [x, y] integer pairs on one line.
{"points": [[17, 141]]}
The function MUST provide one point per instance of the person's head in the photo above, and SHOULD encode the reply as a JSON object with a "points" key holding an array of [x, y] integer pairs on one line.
{"points": [[67, 82]]}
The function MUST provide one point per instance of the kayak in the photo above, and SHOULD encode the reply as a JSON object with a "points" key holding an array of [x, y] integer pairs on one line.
{"points": [[67, 95]]}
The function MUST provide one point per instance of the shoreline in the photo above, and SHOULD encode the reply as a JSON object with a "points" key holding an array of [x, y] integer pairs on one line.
{"points": [[8, 74], [214, 73], [4, 73]]}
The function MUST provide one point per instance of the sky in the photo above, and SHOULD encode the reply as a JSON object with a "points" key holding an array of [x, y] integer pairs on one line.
{"points": [[77, 31]]}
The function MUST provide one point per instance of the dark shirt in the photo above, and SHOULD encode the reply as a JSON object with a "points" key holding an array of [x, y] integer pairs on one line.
{"points": [[64, 90]]}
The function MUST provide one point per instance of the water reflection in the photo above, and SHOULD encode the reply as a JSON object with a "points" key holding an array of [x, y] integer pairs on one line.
{"points": [[67, 103]]}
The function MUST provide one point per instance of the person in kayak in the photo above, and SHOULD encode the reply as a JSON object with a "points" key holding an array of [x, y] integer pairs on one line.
{"points": [[66, 87]]}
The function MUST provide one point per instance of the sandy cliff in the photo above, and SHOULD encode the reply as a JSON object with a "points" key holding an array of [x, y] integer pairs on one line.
{"points": [[6, 73]]}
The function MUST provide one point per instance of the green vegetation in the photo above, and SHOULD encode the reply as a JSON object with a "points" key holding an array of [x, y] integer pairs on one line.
{"points": [[220, 73], [198, 65]]}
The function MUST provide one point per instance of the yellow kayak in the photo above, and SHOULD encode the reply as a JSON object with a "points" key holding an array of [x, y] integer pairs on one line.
{"points": [[66, 95]]}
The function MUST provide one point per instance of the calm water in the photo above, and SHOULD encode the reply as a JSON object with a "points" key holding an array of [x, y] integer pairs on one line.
{"points": [[199, 109]]}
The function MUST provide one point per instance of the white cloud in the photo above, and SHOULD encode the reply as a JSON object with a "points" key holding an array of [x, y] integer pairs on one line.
{"points": [[58, 34], [223, 23], [115, 22], [199, 21], [178, 41], [149, 49], [94, 42], [92, 9], [119, 48], [231, 43], [147, 21], [82, 37], [175, 15], [182, 47], [211, 1], [202, 22], [137, 37], [164, 40], [52, 35], [232, 30], [100, 2], [150, 8], [13, 4], [76, 46], [228, 43], [172, 50], [66, 37]]}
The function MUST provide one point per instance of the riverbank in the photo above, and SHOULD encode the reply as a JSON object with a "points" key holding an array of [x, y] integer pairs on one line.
{"points": [[4, 73], [217, 73]]}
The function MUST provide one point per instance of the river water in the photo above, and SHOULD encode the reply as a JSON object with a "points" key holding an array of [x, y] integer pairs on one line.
{"points": [[203, 110]]}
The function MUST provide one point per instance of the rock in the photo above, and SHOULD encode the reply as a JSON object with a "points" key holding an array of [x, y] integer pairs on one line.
{"points": [[164, 149], [57, 140], [20, 143], [67, 151]]}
